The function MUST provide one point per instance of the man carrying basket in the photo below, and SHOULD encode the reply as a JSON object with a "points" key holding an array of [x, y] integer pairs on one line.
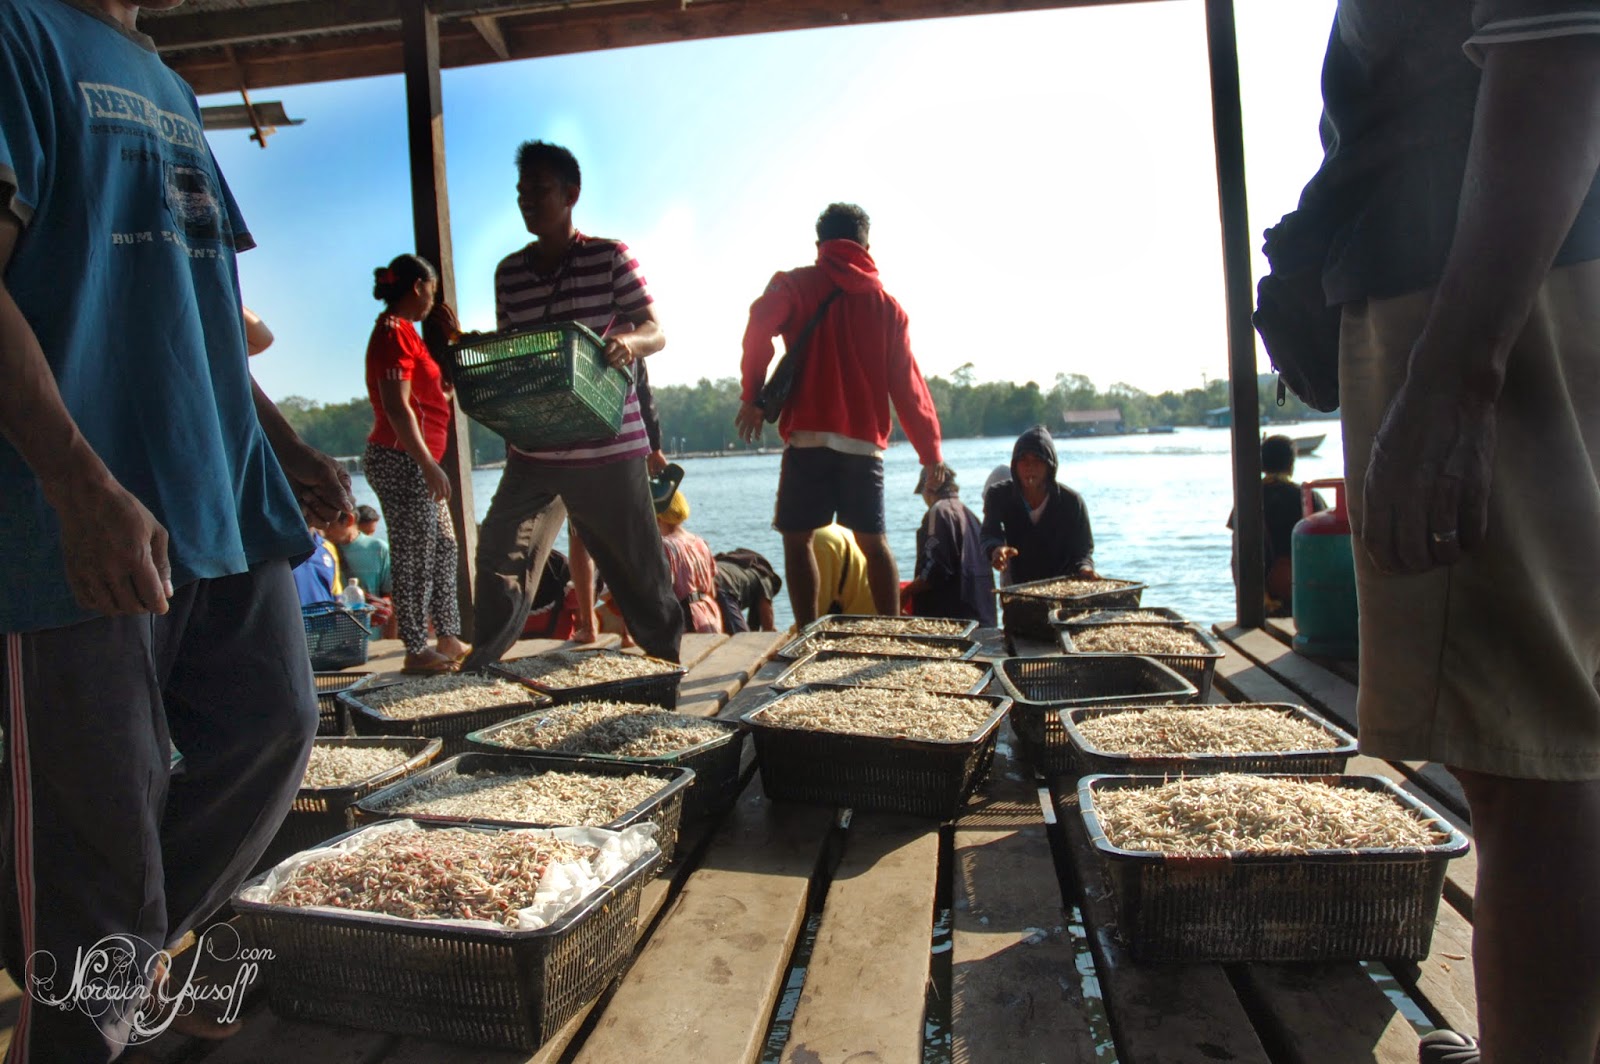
{"points": [[565, 276]]}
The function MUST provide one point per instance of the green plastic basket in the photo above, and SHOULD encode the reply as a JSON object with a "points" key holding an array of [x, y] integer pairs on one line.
{"points": [[540, 387]]}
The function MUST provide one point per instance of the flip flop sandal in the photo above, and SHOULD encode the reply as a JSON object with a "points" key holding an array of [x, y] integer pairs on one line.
{"points": [[1447, 1047], [437, 668]]}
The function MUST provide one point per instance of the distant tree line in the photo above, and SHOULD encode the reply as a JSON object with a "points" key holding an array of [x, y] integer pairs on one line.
{"points": [[699, 417]]}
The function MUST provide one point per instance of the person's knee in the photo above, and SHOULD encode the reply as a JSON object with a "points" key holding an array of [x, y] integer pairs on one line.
{"points": [[874, 545]]}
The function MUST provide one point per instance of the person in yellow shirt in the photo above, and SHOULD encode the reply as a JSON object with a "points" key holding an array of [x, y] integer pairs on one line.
{"points": [[842, 572]]}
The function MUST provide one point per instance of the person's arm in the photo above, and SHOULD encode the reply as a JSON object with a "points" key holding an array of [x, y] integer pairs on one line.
{"points": [[320, 483], [257, 337], [1533, 156], [395, 395], [765, 622], [993, 538], [116, 551], [768, 315], [643, 340], [912, 403], [1082, 538], [648, 411]]}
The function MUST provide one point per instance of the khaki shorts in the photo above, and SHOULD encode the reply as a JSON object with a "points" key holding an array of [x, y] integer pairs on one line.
{"points": [[1491, 664]]}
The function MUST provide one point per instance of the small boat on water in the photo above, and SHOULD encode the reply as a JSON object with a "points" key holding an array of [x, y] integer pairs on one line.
{"points": [[1304, 445]]}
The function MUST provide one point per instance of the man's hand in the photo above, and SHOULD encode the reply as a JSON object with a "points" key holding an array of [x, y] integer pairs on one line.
{"points": [[935, 476], [320, 483], [618, 354], [116, 551], [656, 463], [750, 421], [1000, 557], [1086, 572], [1426, 496], [438, 481]]}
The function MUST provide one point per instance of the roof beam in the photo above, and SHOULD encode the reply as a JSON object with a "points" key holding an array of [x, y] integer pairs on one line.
{"points": [[252, 25], [489, 29]]}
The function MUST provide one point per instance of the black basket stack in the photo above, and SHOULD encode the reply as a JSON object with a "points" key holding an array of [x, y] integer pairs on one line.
{"points": [[1040, 687], [1198, 667], [331, 717], [658, 689], [335, 637], [452, 728], [1089, 759], [715, 763], [323, 813], [1027, 608], [1325, 905], [924, 777], [664, 809], [482, 986]]}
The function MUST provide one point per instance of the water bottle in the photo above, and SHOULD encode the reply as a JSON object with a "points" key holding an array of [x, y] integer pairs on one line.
{"points": [[351, 596]]}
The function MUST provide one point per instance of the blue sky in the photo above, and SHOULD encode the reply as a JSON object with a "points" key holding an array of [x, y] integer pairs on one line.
{"points": [[1042, 185]]}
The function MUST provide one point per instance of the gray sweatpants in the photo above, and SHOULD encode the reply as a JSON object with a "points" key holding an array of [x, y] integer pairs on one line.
{"points": [[101, 838], [611, 507]]}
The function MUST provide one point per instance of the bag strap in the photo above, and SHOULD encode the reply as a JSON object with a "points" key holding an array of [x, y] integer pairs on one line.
{"points": [[798, 353]]}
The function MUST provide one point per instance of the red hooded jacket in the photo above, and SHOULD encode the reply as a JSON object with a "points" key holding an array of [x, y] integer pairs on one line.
{"points": [[857, 360]]}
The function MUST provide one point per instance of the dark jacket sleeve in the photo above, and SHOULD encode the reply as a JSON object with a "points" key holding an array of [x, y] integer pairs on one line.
{"points": [[994, 527], [1082, 536], [647, 404]]}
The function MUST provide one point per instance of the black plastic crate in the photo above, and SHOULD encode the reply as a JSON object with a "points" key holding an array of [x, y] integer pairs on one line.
{"points": [[322, 813], [664, 809], [331, 717], [924, 777], [1326, 905], [1042, 686], [965, 646], [335, 637], [1198, 668], [1113, 615], [715, 762], [480, 986], [787, 680], [1027, 608], [1089, 759], [840, 623], [541, 386], [452, 728], [660, 689]]}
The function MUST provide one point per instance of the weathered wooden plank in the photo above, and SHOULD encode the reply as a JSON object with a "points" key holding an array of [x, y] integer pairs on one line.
{"points": [[1318, 1013], [1159, 1014], [1243, 679], [697, 646], [754, 693], [864, 992], [1443, 983], [705, 985], [724, 672], [1015, 995]]}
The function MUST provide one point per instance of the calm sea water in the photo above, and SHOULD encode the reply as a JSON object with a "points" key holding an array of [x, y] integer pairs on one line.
{"points": [[1158, 504]]}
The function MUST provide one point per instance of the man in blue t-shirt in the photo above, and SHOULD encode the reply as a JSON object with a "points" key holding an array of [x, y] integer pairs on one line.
{"points": [[152, 502]]}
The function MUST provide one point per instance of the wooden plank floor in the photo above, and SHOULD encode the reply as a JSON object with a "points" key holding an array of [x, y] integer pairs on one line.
{"points": [[808, 933]]}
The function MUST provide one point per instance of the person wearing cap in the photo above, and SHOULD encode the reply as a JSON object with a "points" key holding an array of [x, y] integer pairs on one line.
{"points": [[953, 578], [366, 556], [1033, 527], [835, 424], [694, 571]]}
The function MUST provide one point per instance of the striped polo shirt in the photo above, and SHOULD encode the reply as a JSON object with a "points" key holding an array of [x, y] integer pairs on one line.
{"points": [[597, 284]]}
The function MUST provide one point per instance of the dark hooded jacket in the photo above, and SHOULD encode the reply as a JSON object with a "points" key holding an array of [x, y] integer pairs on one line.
{"points": [[1061, 542], [952, 563]]}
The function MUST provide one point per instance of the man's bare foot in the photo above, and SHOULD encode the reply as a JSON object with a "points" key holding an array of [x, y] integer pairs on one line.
{"points": [[583, 634]]}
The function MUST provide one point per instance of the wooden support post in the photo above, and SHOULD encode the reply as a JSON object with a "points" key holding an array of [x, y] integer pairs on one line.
{"points": [[430, 210], [1227, 124]]}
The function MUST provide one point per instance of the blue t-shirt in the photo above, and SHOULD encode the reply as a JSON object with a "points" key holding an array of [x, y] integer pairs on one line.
{"points": [[125, 270], [314, 578]]}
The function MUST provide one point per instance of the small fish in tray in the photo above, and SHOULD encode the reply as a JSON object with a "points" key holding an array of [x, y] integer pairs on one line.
{"points": [[432, 696]]}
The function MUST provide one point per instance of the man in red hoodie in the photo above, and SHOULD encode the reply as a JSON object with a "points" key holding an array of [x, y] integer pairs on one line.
{"points": [[836, 422]]}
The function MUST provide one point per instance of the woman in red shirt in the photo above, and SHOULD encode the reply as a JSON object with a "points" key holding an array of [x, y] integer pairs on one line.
{"points": [[411, 425], [694, 571]]}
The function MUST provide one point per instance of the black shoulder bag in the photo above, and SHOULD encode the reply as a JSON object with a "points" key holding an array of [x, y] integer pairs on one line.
{"points": [[1298, 328], [775, 393]]}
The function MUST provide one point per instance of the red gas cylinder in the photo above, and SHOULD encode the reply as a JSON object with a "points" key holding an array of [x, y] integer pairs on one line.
{"points": [[1325, 617]]}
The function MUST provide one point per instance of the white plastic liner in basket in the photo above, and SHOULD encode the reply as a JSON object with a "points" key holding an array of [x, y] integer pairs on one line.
{"points": [[563, 887]]}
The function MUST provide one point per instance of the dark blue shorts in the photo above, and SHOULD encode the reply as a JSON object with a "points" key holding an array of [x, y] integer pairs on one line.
{"points": [[819, 483]]}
